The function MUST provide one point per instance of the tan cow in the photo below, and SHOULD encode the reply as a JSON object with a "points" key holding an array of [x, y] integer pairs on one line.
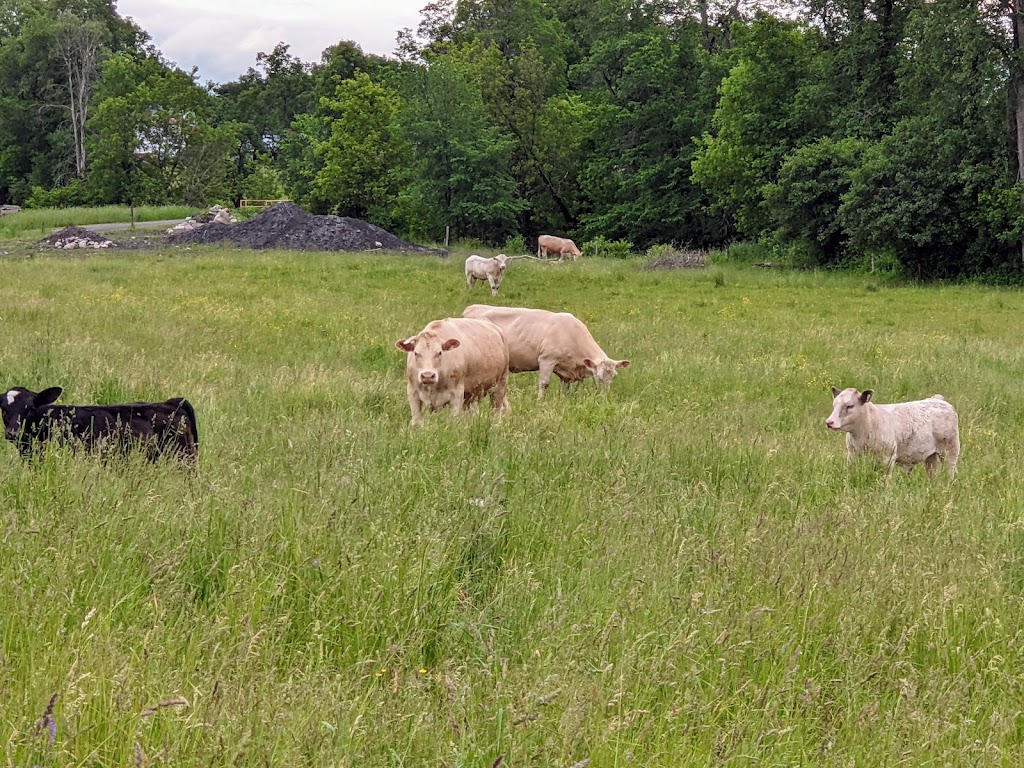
{"points": [[455, 362], [560, 245], [897, 433], [550, 342], [491, 270]]}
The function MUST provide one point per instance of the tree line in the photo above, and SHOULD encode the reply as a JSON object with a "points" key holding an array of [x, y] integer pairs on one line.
{"points": [[831, 131]]}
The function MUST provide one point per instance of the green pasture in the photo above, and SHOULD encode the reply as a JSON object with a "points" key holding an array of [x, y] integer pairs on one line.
{"points": [[679, 572], [40, 222]]}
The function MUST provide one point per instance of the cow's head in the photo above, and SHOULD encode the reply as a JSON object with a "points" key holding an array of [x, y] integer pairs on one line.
{"points": [[847, 408], [17, 402], [502, 260], [604, 371], [424, 359]]}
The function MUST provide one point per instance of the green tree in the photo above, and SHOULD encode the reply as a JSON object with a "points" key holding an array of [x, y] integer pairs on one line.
{"points": [[151, 137], [362, 151], [461, 178], [773, 100]]}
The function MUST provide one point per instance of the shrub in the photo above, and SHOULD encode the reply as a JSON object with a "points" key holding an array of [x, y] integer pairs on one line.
{"points": [[515, 245], [71, 196], [608, 249]]}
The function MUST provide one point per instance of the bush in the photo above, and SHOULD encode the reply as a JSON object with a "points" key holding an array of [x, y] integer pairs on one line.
{"points": [[609, 249], [515, 245], [74, 195], [747, 253]]}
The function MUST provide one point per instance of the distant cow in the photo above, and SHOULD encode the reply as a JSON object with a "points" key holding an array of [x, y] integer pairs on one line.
{"points": [[455, 362], [491, 270], [898, 433], [550, 342], [31, 420], [559, 245]]}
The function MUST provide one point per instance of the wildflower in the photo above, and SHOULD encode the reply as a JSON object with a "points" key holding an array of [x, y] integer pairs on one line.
{"points": [[423, 671], [383, 671]]}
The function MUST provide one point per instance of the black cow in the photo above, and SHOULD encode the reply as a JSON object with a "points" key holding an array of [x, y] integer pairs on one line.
{"points": [[31, 420]]}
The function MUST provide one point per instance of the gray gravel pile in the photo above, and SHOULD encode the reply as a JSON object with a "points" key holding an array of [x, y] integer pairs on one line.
{"points": [[288, 227]]}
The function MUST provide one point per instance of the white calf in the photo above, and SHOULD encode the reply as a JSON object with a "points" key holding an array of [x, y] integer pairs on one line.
{"points": [[898, 433]]}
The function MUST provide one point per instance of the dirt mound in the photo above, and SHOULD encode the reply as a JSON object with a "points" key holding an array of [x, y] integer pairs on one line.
{"points": [[287, 226], [77, 237], [672, 259]]}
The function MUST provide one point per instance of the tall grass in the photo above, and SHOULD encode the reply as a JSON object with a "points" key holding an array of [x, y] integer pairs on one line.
{"points": [[42, 221], [682, 571]]}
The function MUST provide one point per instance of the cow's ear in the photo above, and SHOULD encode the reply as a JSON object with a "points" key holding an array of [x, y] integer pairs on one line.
{"points": [[865, 396], [620, 364], [835, 392], [406, 345], [589, 364], [450, 344], [47, 397]]}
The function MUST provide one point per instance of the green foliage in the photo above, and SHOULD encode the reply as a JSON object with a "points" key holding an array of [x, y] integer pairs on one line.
{"points": [[72, 195], [515, 245], [804, 202], [461, 177], [151, 140], [600, 247], [362, 152], [772, 101]]}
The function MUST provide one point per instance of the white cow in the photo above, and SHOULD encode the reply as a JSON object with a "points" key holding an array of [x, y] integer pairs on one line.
{"points": [[491, 270], [550, 342], [455, 362], [898, 433]]}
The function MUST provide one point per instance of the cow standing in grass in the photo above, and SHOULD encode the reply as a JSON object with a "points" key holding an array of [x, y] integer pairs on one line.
{"points": [[906, 434], [32, 420], [491, 270], [554, 343], [455, 362], [562, 246]]}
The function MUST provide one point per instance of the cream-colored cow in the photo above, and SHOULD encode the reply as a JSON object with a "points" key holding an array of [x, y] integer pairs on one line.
{"points": [[898, 433], [455, 362], [550, 342], [559, 245], [491, 270]]}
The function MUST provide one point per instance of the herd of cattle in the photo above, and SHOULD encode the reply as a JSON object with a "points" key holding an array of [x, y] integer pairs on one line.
{"points": [[458, 361]]}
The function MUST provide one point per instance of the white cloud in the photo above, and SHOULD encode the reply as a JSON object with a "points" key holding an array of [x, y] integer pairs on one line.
{"points": [[222, 38]]}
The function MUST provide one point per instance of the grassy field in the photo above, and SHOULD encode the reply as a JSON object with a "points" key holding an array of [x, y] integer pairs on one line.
{"points": [[42, 221], [682, 571]]}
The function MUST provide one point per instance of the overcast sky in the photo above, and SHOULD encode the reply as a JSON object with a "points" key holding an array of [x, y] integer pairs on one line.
{"points": [[222, 37]]}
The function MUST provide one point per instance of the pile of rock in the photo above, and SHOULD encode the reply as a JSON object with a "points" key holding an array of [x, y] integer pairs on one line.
{"points": [[218, 214], [70, 238], [287, 226]]}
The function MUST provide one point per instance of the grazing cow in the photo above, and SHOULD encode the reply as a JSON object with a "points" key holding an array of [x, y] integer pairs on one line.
{"points": [[899, 433], [560, 245], [31, 420], [455, 362], [491, 270], [550, 342]]}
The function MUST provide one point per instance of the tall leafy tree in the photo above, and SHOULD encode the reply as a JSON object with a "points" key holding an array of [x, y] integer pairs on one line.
{"points": [[772, 101], [461, 178], [362, 150]]}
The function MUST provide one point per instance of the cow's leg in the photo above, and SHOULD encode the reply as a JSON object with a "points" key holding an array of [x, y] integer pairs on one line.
{"points": [[932, 463], [499, 401], [565, 386], [415, 405], [494, 286], [457, 401], [470, 281], [546, 370]]}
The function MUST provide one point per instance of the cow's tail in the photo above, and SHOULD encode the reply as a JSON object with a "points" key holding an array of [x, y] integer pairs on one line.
{"points": [[184, 405]]}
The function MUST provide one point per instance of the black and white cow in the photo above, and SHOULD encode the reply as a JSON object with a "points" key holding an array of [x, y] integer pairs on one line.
{"points": [[31, 420]]}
